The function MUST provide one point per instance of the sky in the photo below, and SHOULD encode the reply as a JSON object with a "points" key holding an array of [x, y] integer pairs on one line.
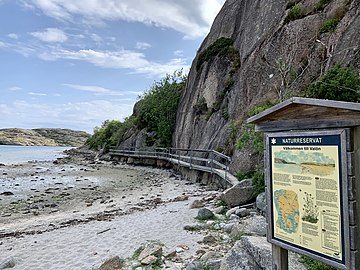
{"points": [[74, 64]]}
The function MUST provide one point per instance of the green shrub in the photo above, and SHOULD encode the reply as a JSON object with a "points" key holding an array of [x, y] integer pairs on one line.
{"points": [[260, 108], [296, 12], [291, 3], [221, 46], [158, 106], [245, 175], [257, 176], [339, 83], [251, 139], [103, 137], [329, 25], [225, 113], [314, 265]]}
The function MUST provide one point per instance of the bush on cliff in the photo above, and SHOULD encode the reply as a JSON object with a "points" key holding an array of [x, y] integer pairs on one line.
{"points": [[339, 83], [103, 136], [157, 108], [156, 111]]}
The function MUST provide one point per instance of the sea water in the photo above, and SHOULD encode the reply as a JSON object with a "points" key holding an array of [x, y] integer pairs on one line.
{"points": [[11, 154]]}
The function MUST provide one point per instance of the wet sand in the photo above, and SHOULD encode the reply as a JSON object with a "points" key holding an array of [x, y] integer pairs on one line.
{"points": [[74, 216]]}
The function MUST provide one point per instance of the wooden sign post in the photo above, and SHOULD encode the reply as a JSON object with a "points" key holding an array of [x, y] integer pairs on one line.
{"points": [[312, 158]]}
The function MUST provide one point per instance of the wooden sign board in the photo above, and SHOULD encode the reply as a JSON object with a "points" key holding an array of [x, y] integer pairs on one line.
{"points": [[306, 174]]}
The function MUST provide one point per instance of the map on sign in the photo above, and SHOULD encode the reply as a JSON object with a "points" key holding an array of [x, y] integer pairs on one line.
{"points": [[287, 206]]}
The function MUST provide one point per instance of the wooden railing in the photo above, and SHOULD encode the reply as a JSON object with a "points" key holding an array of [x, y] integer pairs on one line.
{"points": [[195, 159]]}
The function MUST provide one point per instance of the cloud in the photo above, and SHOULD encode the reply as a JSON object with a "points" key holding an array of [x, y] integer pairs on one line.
{"points": [[13, 36], [95, 89], [142, 45], [192, 18], [78, 115], [135, 62], [124, 59], [50, 35], [37, 94], [96, 37], [14, 88], [179, 53]]}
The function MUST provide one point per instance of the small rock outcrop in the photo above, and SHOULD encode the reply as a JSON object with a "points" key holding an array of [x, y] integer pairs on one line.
{"points": [[204, 214], [113, 263], [43, 137]]}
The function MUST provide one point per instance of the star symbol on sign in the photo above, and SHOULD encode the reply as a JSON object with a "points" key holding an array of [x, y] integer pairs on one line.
{"points": [[273, 141]]}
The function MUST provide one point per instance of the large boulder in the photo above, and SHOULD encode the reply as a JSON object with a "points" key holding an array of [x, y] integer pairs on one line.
{"points": [[238, 258], [239, 194], [254, 253]]}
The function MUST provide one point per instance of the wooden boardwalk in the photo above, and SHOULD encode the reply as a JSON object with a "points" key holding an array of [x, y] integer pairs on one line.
{"points": [[209, 161]]}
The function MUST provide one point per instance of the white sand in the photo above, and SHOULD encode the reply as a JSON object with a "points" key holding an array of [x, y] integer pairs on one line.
{"points": [[86, 246], [81, 247]]}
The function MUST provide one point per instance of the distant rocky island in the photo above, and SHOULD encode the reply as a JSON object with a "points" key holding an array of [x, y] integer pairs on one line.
{"points": [[43, 136]]}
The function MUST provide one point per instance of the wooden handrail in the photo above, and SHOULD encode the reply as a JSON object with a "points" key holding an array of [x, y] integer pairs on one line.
{"points": [[214, 162]]}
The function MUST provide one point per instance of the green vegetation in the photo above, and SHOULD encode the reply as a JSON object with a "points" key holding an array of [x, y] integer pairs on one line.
{"points": [[296, 12], [314, 265], [339, 83], [222, 46], [158, 106], [291, 3], [260, 108], [257, 177], [249, 139], [104, 137], [156, 111], [329, 25]]}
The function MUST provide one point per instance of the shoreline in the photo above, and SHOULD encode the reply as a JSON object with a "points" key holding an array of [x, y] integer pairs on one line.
{"points": [[73, 196]]}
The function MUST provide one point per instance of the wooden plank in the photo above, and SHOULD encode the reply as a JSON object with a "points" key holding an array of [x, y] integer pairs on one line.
{"points": [[297, 102], [349, 140], [353, 258], [352, 188], [280, 258], [352, 213], [282, 125], [350, 163], [353, 237]]}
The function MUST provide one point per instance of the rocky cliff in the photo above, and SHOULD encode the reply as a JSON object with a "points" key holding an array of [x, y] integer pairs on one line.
{"points": [[43, 136], [259, 52]]}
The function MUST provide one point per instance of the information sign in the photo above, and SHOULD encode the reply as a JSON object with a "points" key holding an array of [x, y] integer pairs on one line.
{"points": [[306, 192]]}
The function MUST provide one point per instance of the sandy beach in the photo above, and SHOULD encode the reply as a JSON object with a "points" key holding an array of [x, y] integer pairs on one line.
{"points": [[75, 216]]}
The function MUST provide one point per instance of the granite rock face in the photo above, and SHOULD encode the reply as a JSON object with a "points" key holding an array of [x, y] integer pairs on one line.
{"points": [[43, 136], [276, 55]]}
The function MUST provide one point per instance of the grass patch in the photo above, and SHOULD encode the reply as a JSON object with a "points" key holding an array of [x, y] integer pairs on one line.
{"points": [[314, 265]]}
